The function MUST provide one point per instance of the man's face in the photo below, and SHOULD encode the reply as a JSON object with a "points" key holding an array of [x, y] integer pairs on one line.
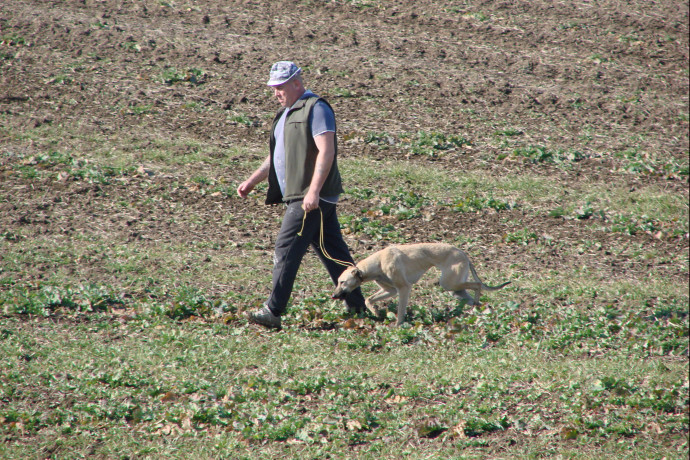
{"points": [[288, 92]]}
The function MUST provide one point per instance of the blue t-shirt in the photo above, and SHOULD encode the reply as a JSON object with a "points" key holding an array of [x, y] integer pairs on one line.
{"points": [[322, 120]]}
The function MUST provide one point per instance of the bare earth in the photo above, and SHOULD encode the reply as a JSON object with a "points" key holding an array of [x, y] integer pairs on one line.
{"points": [[598, 78]]}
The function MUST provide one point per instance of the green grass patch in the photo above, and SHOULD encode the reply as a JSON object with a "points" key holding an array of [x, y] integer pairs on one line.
{"points": [[328, 392], [192, 76], [429, 144], [636, 161]]}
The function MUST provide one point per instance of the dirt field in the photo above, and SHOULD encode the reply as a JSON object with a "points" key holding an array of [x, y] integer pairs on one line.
{"points": [[601, 81], [126, 126]]}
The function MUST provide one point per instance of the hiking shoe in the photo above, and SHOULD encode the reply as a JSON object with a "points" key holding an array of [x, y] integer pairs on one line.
{"points": [[264, 317]]}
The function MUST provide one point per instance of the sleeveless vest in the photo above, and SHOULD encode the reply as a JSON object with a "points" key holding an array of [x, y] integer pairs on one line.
{"points": [[300, 156]]}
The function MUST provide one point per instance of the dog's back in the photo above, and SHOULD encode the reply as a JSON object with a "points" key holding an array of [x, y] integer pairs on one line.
{"points": [[432, 253]]}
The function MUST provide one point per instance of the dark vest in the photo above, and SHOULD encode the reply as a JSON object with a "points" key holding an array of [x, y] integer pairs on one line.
{"points": [[300, 156]]}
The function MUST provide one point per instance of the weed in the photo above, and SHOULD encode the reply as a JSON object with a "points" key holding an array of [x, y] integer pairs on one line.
{"points": [[472, 202], [540, 154], [371, 227], [524, 236], [343, 92], [403, 205], [431, 144], [189, 302], [131, 45], [598, 58], [570, 25], [61, 79], [362, 193], [510, 132], [631, 226], [625, 222], [477, 427], [49, 299], [193, 76], [243, 119], [478, 16], [141, 109], [12, 40], [382, 140], [422, 143], [203, 180], [636, 161]]}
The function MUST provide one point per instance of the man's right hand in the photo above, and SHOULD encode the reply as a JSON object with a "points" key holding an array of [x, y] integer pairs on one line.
{"points": [[244, 188], [258, 176]]}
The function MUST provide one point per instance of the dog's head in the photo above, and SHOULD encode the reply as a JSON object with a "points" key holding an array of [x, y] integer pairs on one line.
{"points": [[348, 281]]}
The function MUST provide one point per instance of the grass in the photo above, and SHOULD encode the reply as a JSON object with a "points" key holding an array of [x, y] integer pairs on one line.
{"points": [[582, 366], [476, 191], [347, 393], [156, 359], [124, 156]]}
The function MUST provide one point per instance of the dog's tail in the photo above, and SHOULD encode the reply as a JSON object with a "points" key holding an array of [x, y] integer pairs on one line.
{"points": [[484, 286]]}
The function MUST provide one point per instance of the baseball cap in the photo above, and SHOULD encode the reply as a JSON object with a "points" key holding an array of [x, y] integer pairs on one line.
{"points": [[281, 72]]}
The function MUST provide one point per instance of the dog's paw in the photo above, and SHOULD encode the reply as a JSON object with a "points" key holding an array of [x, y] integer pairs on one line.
{"points": [[377, 313]]}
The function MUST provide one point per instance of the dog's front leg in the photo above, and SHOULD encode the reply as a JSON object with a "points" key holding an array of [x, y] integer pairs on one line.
{"points": [[403, 299]]}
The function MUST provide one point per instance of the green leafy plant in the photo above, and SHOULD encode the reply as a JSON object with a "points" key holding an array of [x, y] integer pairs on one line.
{"points": [[509, 132], [243, 119], [524, 236], [421, 143], [193, 76], [404, 204], [371, 227], [636, 161], [473, 202], [431, 144]]}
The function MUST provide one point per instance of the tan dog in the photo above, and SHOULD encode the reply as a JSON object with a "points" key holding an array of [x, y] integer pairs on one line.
{"points": [[396, 268]]}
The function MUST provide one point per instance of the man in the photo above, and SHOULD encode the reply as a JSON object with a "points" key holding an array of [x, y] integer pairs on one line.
{"points": [[302, 171]]}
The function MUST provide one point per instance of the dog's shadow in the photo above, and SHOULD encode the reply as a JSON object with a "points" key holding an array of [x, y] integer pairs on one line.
{"points": [[443, 315], [437, 315]]}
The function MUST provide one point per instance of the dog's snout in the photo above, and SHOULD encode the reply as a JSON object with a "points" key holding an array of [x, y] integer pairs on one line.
{"points": [[339, 295]]}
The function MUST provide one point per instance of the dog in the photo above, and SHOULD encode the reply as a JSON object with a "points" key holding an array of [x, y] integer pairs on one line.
{"points": [[396, 268]]}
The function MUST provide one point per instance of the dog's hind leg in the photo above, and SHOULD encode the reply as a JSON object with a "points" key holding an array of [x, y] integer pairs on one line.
{"points": [[460, 292]]}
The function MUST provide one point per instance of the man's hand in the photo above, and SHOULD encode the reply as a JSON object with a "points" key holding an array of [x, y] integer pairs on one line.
{"points": [[244, 188], [311, 201], [259, 175]]}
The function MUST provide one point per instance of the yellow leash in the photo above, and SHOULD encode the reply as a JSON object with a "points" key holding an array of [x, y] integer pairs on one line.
{"points": [[321, 245]]}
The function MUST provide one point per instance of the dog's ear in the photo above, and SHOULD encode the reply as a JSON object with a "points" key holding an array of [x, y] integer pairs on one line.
{"points": [[358, 274]]}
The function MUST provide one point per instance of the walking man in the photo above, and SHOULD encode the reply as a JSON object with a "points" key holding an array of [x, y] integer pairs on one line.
{"points": [[302, 172]]}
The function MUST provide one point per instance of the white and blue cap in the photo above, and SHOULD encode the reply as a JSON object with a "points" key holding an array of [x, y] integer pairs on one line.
{"points": [[282, 72]]}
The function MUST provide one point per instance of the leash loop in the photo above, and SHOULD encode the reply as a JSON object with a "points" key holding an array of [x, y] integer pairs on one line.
{"points": [[321, 245]]}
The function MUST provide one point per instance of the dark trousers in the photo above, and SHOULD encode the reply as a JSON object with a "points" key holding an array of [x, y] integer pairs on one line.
{"points": [[291, 247]]}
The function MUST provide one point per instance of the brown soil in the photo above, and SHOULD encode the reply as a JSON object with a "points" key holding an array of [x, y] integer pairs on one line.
{"points": [[613, 73]]}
